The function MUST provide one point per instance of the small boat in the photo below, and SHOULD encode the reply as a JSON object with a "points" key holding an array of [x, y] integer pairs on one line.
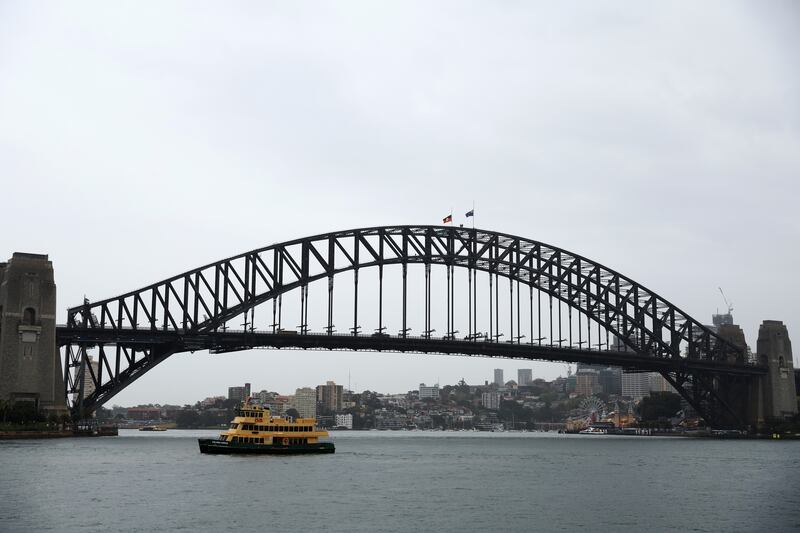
{"points": [[255, 431], [152, 428], [593, 431]]}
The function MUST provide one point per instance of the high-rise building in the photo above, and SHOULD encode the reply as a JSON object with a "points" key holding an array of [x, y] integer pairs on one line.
{"points": [[587, 382], [635, 385], [329, 396], [611, 380], [641, 384], [239, 393], [524, 376], [88, 383], [305, 402], [498, 377], [724, 319], [428, 392], [659, 384]]}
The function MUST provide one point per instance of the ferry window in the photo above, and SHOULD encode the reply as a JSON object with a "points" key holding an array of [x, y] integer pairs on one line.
{"points": [[235, 439]]}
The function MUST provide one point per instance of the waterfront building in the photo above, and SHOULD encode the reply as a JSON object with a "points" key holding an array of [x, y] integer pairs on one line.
{"points": [[144, 413], [329, 396], [491, 400], [344, 421], [428, 392], [498, 377], [305, 402], [524, 376]]}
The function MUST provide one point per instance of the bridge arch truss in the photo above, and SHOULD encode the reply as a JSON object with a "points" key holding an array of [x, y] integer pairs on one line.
{"points": [[610, 317]]}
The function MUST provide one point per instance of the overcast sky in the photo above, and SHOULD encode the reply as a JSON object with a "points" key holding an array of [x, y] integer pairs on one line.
{"points": [[140, 140]]}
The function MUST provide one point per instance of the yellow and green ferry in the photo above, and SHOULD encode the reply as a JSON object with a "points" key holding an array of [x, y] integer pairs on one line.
{"points": [[255, 431]]}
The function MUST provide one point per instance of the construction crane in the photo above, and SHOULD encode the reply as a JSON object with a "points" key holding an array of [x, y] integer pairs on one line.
{"points": [[730, 305]]}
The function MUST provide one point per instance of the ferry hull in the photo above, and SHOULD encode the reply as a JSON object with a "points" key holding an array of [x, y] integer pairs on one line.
{"points": [[214, 446]]}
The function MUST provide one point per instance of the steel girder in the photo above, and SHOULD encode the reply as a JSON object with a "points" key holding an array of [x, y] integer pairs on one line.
{"points": [[205, 299]]}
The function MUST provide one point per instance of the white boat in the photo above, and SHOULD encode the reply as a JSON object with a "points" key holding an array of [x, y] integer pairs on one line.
{"points": [[592, 431]]}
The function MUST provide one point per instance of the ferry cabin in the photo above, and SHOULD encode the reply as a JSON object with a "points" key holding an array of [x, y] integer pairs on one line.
{"points": [[254, 425]]}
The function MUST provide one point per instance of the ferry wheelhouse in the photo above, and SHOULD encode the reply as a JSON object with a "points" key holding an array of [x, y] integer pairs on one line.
{"points": [[255, 431]]}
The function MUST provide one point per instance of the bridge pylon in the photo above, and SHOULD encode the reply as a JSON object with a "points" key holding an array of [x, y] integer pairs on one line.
{"points": [[776, 395], [30, 370]]}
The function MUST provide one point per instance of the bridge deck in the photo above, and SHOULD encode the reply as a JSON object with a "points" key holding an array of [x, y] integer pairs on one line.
{"points": [[230, 341]]}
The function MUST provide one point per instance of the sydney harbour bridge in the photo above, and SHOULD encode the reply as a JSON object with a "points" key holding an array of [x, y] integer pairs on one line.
{"points": [[416, 290]]}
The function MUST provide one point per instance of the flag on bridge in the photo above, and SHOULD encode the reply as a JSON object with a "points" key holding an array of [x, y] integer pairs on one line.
{"points": [[470, 213], [448, 219]]}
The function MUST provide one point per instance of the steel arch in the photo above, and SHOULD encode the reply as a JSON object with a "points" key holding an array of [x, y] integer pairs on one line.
{"points": [[218, 292]]}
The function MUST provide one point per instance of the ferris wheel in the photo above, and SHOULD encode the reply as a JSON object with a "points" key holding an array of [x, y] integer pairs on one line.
{"points": [[592, 409]]}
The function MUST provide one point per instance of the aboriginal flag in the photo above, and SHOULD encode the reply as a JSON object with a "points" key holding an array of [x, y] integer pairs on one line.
{"points": [[448, 219]]}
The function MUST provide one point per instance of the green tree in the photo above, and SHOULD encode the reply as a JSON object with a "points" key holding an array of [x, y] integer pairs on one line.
{"points": [[24, 413], [659, 405], [187, 418]]}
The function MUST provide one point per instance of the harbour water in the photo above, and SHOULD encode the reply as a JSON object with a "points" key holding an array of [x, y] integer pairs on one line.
{"points": [[402, 481]]}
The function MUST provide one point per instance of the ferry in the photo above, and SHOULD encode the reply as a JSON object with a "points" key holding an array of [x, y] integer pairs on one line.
{"points": [[254, 431]]}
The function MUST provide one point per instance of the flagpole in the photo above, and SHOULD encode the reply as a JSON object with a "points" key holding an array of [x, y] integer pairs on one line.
{"points": [[473, 214]]}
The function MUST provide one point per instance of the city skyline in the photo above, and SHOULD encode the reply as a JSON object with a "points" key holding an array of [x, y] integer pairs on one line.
{"points": [[257, 386]]}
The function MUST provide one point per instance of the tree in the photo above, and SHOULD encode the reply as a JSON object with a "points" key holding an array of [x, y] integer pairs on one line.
{"points": [[659, 405], [24, 412], [187, 418]]}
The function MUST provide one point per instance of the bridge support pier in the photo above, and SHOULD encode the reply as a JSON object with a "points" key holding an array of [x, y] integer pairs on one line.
{"points": [[30, 368], [775, 393]]}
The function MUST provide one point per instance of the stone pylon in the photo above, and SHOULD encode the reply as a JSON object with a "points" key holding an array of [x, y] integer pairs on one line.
{"points": [[778, 396], [30, 368]]}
